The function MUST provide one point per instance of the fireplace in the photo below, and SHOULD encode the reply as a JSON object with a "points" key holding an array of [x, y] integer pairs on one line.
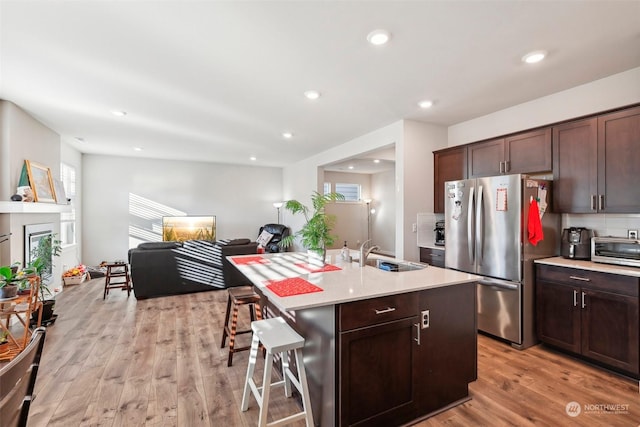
{"points": [[33, 235]]}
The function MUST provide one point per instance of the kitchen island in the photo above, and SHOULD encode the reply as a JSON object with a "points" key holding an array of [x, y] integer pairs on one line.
{"points": [[382, 347]]}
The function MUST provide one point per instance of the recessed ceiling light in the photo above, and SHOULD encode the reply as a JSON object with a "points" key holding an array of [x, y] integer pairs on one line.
{"points": [[376, 161], [253, 158], [312, 94], [425, 104], [119, 113], [350, 166], [137, 148], [533, 57], [80, 139], [378, 37], [287, 135]]}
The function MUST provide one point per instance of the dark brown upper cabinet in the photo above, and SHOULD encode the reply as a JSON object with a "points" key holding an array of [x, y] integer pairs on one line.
{"points": [[527, 152], [448, 165], [595, 164]]}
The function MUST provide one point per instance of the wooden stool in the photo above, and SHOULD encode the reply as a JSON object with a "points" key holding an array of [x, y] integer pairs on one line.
{"points": [[117, 277], [277, 337], [244, 295]]}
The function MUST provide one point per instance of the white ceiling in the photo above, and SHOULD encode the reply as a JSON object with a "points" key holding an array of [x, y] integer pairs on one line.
{"points": [[220, 81]]}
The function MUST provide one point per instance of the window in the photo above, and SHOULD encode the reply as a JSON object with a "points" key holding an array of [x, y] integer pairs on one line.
{"points": [[327, 187], [68, 219], [351, 192]]}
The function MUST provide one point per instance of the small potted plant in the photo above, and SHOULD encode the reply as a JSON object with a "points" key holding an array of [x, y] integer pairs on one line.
{"points": [[42, 263], [315, 234], [4, 341], [10, 281]]}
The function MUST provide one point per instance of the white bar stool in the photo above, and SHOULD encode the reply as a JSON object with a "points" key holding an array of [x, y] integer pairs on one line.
{"points": [[276, 336]]}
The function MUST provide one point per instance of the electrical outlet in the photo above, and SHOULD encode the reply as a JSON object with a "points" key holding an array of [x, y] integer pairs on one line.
{"points": [[414, 227], [632, 234]]}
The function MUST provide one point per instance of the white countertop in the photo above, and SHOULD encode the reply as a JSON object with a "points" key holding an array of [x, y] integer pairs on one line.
{"points": [[350, 283], [434, 246], [589, 265]]}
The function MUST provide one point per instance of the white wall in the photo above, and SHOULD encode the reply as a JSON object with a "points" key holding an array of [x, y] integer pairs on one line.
{"points": [[351, 218], [414, 170], [608, 93], [383, 221], [72, 255], [241, 198], [303, 177], [24, 138]]}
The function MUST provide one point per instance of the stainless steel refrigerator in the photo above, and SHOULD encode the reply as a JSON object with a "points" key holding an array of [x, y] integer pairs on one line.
{"points": [[486, 233]]}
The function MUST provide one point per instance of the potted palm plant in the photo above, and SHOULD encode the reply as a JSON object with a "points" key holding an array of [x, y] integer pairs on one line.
{"points": [[42, 264], [315, 234]]}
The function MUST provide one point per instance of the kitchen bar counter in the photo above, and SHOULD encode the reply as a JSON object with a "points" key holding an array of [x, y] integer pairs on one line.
{"points": [[591, 266], [420, 324], [350, 283]]}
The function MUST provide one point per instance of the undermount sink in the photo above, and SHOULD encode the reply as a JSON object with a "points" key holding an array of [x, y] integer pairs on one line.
{"points": [[394, 266]]}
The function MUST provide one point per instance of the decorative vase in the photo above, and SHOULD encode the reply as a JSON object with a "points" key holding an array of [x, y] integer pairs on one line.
{"points": [[8, 291], [317, 256]]}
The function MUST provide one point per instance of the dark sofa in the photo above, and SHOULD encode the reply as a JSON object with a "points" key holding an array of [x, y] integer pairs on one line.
{"points": [[170, 268]]}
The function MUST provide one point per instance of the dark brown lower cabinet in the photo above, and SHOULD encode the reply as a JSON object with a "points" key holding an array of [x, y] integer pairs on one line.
{"points": [[405, 356], [378, 364], [447, 353], [592, 314], [432, 256]]}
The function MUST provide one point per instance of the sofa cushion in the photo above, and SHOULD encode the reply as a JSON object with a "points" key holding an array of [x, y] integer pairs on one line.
{"points": [[233, 242], [159, 245]]}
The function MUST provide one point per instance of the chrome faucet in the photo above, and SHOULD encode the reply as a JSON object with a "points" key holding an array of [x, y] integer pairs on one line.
{"points": [[364, 254]]}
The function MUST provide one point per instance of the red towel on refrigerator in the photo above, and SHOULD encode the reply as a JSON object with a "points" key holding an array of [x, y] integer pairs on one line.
{"points": [[534, 225]]}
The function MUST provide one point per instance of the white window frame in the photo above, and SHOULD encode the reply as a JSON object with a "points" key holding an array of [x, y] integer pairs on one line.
{"points": [[354, 193], [68, 177]]}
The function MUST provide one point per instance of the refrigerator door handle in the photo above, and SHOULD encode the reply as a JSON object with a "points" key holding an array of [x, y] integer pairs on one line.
{"points": [[499, 284], [479, 227], [470, 228]]}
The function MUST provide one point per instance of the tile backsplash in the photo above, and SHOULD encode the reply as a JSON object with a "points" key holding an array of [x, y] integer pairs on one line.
{"points": [[426, 223], [603, 224]]}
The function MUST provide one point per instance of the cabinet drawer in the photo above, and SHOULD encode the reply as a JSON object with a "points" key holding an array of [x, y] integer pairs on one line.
{"points": [[369, 312], [432, 256], [616, 283]]}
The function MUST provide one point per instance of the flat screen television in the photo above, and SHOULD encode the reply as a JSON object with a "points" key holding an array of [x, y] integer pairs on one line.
{"points": [[181, 228]]}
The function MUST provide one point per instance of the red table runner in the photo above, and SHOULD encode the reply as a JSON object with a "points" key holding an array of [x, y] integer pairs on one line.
{"points": [[250, 260], [318, 269], [291, 286]]}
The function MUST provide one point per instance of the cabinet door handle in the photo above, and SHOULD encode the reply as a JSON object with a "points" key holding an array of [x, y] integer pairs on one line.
{"points": [[584, 279], [593, 202], [501, 167], [417, 339], [601, 202], [385, 310], [507, 166], [583, 303], [575, 298]]}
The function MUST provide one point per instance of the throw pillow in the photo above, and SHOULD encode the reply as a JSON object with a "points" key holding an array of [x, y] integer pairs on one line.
{"points": [[264, 238]]}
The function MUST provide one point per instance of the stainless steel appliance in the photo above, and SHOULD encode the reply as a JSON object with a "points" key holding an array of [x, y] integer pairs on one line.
{"points": [[616, 250], [486, 224], [439, 233], [576, 243]]}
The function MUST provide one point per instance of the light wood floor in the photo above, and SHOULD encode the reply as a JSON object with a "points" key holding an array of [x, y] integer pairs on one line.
{"points": [[157, 362]]}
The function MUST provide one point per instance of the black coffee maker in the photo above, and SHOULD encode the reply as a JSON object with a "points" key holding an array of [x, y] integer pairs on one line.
{"points": [[576, 243], [439, 233]]}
